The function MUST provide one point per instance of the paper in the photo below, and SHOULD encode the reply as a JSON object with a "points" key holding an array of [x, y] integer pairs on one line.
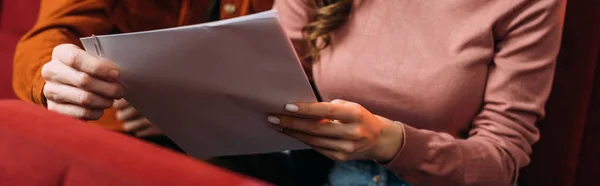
{"points": [[210, 86]]}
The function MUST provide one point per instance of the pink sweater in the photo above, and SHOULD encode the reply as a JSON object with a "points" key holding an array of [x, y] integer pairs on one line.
{"points": [[468, 79]]}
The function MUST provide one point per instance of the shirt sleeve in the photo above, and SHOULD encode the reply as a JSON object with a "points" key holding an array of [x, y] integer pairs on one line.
{"points": [[501, 134], [58, 22]]}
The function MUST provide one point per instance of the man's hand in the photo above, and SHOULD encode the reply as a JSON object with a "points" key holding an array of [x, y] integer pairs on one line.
{"points": [[78, 84]]}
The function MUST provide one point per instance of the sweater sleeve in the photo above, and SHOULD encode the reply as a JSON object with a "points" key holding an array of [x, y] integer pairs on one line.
{"points": [[58, 22], [501, 134]]}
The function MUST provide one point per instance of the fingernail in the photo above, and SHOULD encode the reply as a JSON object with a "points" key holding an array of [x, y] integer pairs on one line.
{"points": [[114, 74], [273, 120], [291, 108]]}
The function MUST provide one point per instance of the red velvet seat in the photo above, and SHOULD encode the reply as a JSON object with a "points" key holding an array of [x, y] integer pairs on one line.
{"points": [[16, 18], [39, 147]]}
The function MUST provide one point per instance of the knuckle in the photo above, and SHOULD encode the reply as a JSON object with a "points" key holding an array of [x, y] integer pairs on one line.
{"points": [[307, 109], [46, 72], [116, 91], [356, 111], [121, 104], [353, 104], [58, 49], [71, 51], [313, 129], [148, 123], [105, 103], [89, 114], [72, 57], [356, 133], [84, 113], [330, 112], [86, 99], [51, 105], [84, 80], [94, 67], [340, 157], [49, 92], [63, 47], [119, 115], [348, 149]]}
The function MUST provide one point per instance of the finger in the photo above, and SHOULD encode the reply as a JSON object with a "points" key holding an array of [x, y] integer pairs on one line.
{"points": [[75, 111], [343, 146], [61, 73], [128, 113], [136, 125], [79, 59], [68, 94], [121, 103], [150, 131], [334, 155], [344, 112], [324, 128]]}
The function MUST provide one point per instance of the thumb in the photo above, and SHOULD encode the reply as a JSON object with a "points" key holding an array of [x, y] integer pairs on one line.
{"points": [[339, 101]]}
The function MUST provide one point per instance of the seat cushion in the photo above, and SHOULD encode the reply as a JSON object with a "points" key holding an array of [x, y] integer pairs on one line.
{"points": [[7, 50], [16, 18], [40, 147], [1, 2]]}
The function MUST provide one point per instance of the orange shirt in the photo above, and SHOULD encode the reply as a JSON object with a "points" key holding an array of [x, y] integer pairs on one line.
{"points": [[66, 21]]}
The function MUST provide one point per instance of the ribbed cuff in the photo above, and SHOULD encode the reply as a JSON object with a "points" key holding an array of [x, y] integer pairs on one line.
{"points": [[408, 159]]}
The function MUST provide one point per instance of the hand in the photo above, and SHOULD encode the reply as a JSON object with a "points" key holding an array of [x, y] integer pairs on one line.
{"points": [[133, 121], [78, 84], [341, 130]]}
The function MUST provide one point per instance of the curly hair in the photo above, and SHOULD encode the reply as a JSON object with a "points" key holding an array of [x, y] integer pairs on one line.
{"points": [[326, 17]]}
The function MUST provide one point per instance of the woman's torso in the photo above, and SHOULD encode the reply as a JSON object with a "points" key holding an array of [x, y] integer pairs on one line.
{"points": [[423, 63]]}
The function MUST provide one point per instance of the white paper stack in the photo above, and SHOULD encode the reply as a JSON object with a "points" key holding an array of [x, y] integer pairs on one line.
{"points": [[210, 86]]}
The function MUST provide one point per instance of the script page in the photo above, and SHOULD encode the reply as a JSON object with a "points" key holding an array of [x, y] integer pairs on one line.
{"points": [[210, 87]]}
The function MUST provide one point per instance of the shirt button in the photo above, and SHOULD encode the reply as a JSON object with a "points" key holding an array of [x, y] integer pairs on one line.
{"points": [[376, 178], [229, 8]]}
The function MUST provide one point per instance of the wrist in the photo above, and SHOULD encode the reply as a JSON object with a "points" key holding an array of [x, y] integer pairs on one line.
{"points": [[390, 141]]}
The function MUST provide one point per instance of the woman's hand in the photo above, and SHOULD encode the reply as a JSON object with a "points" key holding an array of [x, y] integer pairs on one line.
{"points": [[341, 130], [78, 84], [133, 121]]}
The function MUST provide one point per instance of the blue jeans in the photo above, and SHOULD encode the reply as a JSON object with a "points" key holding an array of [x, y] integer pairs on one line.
{"points": [[366, 173]]}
